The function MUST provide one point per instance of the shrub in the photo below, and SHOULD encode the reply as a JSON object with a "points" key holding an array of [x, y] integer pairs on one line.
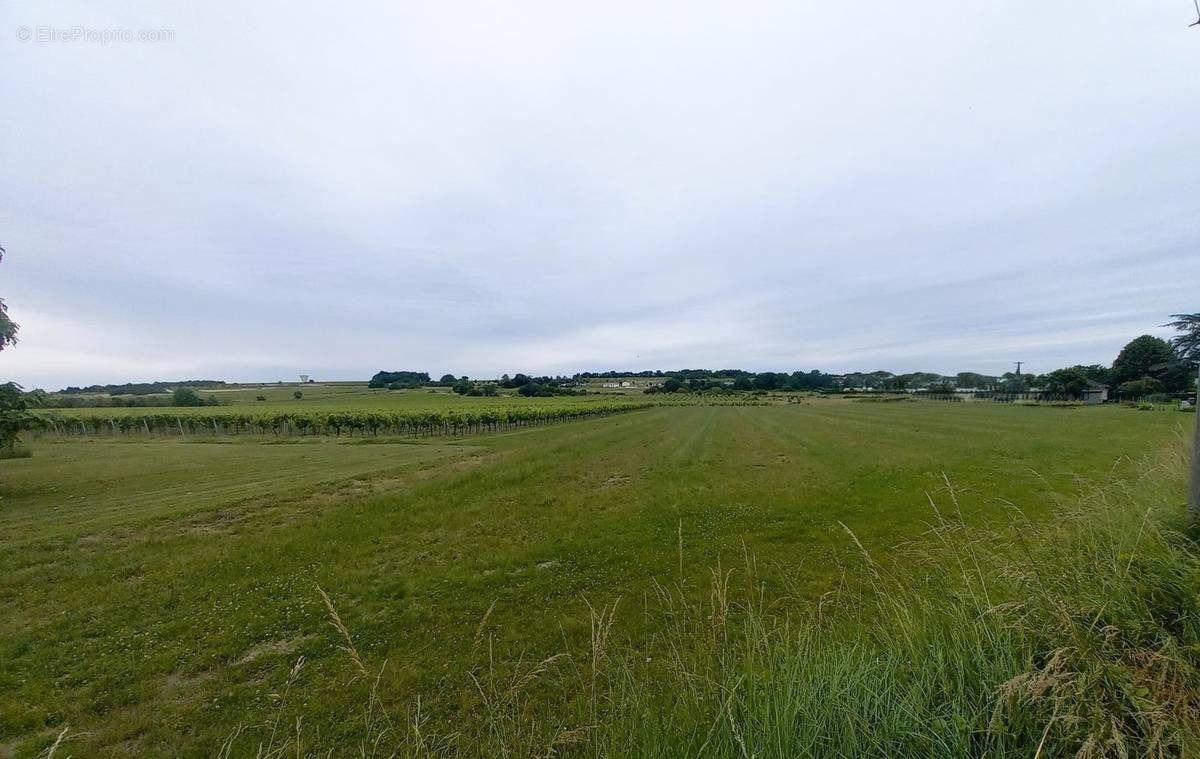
{"points": [[1141, 388], [185, 396]]}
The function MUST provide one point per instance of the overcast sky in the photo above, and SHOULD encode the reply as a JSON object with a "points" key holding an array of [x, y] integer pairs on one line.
{"points": [[566, 186]]}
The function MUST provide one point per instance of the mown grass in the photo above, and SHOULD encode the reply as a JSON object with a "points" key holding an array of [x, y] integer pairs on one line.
{"points": [[162, 628], [1075, 637]]}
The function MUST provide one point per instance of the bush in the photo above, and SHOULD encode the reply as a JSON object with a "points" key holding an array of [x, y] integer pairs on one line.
{"points": [[14, 417], [185, 396], [298, 394], [1141, 388]]}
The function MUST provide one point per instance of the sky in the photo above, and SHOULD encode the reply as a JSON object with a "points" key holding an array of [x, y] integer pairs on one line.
{"points": [[251, 191]]}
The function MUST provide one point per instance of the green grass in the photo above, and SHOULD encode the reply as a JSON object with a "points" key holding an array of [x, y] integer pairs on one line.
{"points": [[157, 592], [1078, 636]]}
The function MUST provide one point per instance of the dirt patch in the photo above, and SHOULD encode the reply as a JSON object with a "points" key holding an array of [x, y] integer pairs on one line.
{"points": [[106, 539], [183, 688], [273, 647], [440, 469], [613, 481]]}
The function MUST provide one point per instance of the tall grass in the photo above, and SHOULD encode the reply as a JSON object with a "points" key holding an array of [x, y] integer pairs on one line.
{"points": [[1080, 636]]}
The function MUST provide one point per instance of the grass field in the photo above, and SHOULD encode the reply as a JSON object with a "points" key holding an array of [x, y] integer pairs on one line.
{"points": [[157, 591]]}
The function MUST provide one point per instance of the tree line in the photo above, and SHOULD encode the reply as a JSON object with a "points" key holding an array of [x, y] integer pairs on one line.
{"points": [[1146, 366], [140, 388]]}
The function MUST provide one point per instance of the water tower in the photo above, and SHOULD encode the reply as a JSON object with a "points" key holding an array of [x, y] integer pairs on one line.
{"points": [[303, 379]]}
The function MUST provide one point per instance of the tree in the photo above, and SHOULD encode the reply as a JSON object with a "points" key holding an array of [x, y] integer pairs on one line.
{"points": [[973, 380], [185, 396], [399, 380], [1187, 344], [447, 380], [13, 417], [298, 395], [1072, 381], [1148, 356], [767, 381], [1141, 388], [1097, 373], [8, 328], [462, 386]]}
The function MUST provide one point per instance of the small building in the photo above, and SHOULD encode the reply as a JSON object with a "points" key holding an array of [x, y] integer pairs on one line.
{"points": [[1096, 392]]}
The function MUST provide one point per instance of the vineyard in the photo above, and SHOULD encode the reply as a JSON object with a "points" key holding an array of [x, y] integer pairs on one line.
{"points": [[334, 422]]}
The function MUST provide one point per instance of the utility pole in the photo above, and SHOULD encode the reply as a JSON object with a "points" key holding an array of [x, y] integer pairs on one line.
{"points": [[1193, 504], [1018, 363]]}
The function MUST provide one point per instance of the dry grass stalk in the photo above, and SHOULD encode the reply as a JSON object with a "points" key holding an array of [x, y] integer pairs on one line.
{"points": [[335, 621]]}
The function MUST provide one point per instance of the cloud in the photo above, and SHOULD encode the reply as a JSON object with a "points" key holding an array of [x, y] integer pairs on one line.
{"points": [[474, 188]]}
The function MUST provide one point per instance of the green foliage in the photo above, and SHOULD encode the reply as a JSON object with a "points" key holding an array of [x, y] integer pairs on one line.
{"points": [[8, 328], [1072, 381], [462, 386], [185, 396], [1187, 343], [428, 422], [1141, 388], [14, 416], [399, 380], [973, 380], [1148, 356], [139, 388], [298, 394]]}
